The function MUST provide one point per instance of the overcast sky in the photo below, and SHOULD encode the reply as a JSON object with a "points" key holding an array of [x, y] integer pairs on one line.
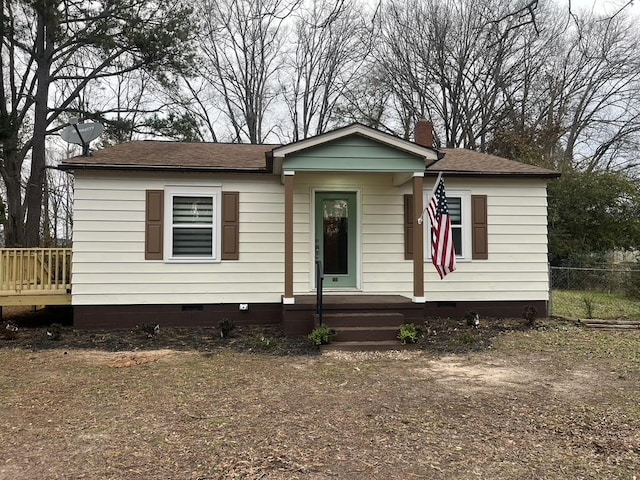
{"points": [[608, 6]]}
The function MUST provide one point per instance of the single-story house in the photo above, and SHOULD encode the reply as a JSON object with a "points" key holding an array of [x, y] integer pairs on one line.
{"points": [[189, 233]]}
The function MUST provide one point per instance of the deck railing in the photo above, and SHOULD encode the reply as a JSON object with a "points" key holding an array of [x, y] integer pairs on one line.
{"points": [[35, 269]]}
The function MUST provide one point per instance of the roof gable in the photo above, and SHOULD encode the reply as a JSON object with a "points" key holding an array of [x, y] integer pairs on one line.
{"points": [[429, 155], [353, 153]]}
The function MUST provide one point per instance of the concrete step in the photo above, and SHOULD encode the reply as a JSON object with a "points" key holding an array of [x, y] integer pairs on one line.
{"points": [[362, 334], [361, 319], [367, 346]]}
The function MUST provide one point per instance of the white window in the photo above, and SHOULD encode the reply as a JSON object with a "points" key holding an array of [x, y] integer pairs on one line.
{"points": [[459, 203], [192, 219]]}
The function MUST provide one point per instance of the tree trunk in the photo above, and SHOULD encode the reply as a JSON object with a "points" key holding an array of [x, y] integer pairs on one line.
{"points": [[11, 169], [14, 224], [33, 196]]}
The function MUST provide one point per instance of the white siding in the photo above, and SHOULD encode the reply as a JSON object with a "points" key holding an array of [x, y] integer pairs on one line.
{"points": [[108, 259], [109, 265], [517, 228]]}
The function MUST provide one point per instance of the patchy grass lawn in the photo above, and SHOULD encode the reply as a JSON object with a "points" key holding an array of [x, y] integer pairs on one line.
{"points": [[557, 402], [586, 304]]}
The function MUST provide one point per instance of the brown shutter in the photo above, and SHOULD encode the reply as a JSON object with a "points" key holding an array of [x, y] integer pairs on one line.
{"points": [[408, 227], [153, 231], [230, 225], [480, 248]]}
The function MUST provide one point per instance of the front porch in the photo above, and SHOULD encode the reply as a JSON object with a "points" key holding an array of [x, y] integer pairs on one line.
{"points": [[353, 198]]}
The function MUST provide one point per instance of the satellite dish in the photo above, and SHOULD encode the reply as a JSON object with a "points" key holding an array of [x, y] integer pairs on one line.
{"points": [[81, 133]]}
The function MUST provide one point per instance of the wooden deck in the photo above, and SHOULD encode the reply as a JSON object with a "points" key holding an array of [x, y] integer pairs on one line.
{"points": [[35, 276]]}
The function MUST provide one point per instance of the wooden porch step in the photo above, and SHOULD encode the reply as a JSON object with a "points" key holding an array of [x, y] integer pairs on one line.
{"points": [[366, 346], [364, 330], [361, 319], [369, 334]]}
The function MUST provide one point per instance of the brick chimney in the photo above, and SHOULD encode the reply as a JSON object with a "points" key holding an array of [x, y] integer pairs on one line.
{"points": [[423, 134]]}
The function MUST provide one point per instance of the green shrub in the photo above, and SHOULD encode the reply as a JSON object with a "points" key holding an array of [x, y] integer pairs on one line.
{"points": [[321, 335], [409, 333]]}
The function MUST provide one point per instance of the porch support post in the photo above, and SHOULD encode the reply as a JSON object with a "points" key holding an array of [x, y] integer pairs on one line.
{"points": [[288, 238], [418, 243]]}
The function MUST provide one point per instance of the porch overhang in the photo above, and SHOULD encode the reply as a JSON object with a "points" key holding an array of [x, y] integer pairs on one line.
{"points": [[355, 148]]}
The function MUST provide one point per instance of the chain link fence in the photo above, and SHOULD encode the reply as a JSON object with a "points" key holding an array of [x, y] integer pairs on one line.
{"points": [[604, 293]]}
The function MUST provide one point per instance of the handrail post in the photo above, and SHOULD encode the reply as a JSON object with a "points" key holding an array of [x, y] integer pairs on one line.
{"points": [[319, 283]]}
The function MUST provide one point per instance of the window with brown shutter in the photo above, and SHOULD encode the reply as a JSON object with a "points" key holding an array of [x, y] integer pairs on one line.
{"points": [[479, 227], [153, 232], [230, 226], [408, 227]]}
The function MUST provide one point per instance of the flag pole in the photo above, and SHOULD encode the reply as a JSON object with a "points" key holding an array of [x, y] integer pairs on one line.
{"points": [[435, 185], [433, 191]]}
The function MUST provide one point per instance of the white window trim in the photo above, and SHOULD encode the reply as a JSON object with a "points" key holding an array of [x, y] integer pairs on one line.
{"points": [[214, 192], [465, 196]]}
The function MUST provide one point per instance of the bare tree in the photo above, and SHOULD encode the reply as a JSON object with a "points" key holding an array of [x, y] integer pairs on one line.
{"points": [[48, 43], [242, 51], [57, 221], [576, 102], [449, 61], [331, 44]]}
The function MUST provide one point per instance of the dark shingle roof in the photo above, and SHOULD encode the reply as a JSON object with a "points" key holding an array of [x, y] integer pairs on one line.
{"points": [[166, 155], [460, 161], [153, 154]]}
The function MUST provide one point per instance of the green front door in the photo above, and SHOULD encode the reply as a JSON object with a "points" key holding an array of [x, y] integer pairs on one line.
{"points": [[336, 238]]}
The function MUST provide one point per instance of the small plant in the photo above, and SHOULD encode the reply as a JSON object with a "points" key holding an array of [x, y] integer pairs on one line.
{"points": [[263, 343], [472, 318], [467, 338], [530, 314], [9, 331], [409, 333], [150, 329], [321, 335], [588, 305], [54, 332], [226, 326]]}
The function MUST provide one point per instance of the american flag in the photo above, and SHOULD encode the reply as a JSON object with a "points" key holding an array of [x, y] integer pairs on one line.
{"points": [[443, 254]]}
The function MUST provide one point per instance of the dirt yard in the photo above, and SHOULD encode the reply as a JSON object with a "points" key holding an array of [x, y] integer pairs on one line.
{"points": [[501, 402]]}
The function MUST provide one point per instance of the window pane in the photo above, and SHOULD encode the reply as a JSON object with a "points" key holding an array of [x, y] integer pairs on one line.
{"points": [[192, 242], [192, 210], [336, 236], [456, 233], [455, 210]]}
